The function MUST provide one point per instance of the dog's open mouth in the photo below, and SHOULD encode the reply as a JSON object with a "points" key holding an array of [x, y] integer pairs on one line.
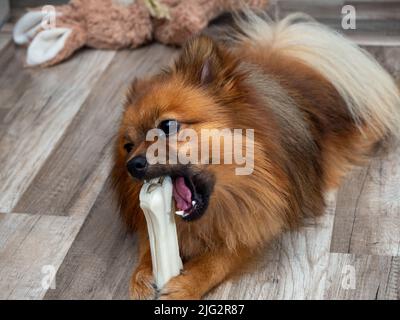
{"points": [[190, 202]]}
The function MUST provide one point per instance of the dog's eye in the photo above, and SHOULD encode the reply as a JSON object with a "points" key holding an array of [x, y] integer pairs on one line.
{"points": [[169, 126], [128, 147]]}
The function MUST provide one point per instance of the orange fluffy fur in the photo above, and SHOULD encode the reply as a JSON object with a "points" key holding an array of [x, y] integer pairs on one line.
{"points": [[306, 139]]}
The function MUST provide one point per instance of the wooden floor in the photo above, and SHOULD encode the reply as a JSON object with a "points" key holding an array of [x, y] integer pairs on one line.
{"points": [[56, 133]]}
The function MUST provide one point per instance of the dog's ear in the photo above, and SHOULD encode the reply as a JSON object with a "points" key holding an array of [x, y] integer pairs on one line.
{"points": [[139, 87], [136, 90], [203, 61]]}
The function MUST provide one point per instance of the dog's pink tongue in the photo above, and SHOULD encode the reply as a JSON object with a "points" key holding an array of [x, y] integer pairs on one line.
{"points": [[182, 194]]}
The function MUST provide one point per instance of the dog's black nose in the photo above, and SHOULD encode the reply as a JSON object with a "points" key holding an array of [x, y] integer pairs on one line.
{"points": [[137, 166]]}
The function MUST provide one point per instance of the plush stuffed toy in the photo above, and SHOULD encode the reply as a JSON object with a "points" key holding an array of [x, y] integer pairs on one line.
{"points": [[115, 24], [188, 17]]}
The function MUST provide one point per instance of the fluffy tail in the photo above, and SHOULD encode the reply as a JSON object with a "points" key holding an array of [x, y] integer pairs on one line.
{"points": [[369, 91]]}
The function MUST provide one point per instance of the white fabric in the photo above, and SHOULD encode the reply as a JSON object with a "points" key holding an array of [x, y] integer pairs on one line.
{"points": [[124, 2], [46, 45], [26, 27]]}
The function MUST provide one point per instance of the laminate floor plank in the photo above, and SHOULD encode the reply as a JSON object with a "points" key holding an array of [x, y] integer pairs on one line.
{"points": [[101, 259], [38, 109], [5, 40], [367, 218], [29, 246], [362, 277]]}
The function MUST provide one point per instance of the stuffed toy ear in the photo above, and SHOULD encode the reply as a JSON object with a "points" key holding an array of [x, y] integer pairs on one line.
{"points": [[27, 27], [54, 45], [47, 45]]}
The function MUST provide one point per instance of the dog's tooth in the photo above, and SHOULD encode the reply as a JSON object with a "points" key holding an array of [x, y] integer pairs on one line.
{"points": [[193, 203], [180, 213]]}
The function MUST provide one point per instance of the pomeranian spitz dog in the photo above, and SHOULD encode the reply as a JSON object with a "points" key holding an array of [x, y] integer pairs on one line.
{"points": [[318, 105]]}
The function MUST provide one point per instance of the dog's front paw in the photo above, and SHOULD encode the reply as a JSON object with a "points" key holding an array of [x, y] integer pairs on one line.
{"points": [[180, 288], [142, 285]]}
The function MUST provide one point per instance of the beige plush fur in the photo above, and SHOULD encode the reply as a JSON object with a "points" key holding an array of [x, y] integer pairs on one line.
{"points": [[189, 17]]}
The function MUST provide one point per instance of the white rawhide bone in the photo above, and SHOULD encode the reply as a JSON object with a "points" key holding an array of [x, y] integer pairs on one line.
{"points": [[156, 203]]}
